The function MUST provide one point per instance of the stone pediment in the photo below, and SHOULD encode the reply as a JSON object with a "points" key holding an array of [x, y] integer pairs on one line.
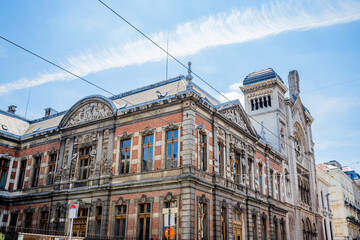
{"points": [[235, 113], [88, 109]]}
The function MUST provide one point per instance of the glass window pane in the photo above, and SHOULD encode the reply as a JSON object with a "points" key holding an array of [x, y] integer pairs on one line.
{"points": [[128, 143], [175, 134], [142, 208], [123, 228], [147, 233], [127, 165], [169, 150], [145, 153], [175, 150], [169, 135], [128, 155], [146, 139], [147, 208], [141, 228], [117, 227], [151, 138], [150, 153]]}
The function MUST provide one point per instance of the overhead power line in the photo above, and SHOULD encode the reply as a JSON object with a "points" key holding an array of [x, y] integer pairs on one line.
{"points": [[208, 84], [56, 65]]}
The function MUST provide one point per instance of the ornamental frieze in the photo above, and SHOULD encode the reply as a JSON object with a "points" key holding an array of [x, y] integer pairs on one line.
{"points": [[88, 112]]}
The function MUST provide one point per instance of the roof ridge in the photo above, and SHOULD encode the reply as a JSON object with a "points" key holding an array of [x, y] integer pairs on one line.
{"points": [[141, 89]]}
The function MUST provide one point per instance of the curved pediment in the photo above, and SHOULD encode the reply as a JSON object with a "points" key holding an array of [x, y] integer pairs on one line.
{"points": [[88, 109]]}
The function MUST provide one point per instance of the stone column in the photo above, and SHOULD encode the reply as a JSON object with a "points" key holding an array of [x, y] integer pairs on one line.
{"points": [[227, 157], [188, 152], [188, 213], [215, 151]]}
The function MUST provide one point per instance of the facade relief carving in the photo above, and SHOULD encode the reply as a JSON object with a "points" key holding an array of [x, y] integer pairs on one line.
{"points": [[234, 115], [88, 112], [104, 165]]}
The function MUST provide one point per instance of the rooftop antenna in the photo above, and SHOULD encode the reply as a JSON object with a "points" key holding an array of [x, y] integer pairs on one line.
{"points": [[27, 103], [167, 55]]}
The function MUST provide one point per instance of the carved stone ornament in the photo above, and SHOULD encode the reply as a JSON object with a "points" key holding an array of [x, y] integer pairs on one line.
{"points": [[98, 202], [126, 135], [202, 199], [53, 151], [29, 209], [169, 196], [120, 201], [250, 151], [88, 112], [263, 216], [221, 132], [234, 115], [201, 128], [148, 131], [224, 204], [45, 208], [171, 126], [144, 199], [37, 154], [238, 207], [5, 156]]}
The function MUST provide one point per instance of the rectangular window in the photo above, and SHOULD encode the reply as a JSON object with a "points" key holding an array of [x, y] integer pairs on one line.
{"points": [[282, 231], [263, 229], [250, 173], [28, 220], [202, 221], [170, 204], [13, 220], [279, 187], [125, 156], [202, 151], [98, 220], [4, 168], [237, 225], [37, 165], [272, 183], [144, 221], [22, 174], [147, 153], [44, 220], [276, 229], [84, 163], [120, 222], [223, 224], [237, 176], [172, 148], [221, 158], [52, 166], [260, 178], [254, 226]]}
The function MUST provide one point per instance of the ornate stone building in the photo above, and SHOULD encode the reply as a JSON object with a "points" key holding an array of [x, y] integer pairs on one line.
{"points": [[127, 159]]}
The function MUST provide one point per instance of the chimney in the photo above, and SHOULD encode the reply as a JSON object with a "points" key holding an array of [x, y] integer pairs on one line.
{"points": [[49, 111], [294, 88], [12, 109]]}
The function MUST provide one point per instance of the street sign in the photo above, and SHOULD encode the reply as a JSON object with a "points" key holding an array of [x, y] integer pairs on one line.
{"points": [[172, 220], [169, 233], [172, 210], [73, 210]]}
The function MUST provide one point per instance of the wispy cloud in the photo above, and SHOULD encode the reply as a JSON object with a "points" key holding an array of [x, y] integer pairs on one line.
{"points": [[232, 27]]}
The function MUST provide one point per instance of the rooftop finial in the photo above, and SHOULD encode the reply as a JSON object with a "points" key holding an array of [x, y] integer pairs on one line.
{"points": [[262, 133], [189, 77]]}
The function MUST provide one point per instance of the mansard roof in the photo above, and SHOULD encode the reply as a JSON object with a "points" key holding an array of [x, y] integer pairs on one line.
{"points": [[260, 76], [20, 126]]}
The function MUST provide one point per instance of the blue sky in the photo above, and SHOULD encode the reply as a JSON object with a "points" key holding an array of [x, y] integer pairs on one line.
{"points": [[225, 41]]}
